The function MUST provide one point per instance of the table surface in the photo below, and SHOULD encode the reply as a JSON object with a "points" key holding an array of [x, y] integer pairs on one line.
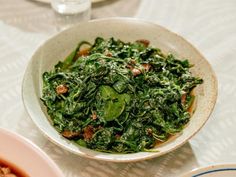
{"points": [[210, 25]]}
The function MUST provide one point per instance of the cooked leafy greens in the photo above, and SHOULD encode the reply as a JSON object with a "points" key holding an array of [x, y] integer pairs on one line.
{"points": [[119, 96]]}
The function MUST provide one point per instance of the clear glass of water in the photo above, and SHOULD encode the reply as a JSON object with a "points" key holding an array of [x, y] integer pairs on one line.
{"points": [[70, 12]]}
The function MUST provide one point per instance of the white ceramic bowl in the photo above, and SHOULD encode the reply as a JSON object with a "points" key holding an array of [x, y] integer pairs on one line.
{"points": [[59, 46], [27, 157]]}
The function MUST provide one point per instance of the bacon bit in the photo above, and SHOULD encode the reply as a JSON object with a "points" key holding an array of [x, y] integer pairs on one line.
{"points": [[146, 66], [132, 62], [149, 131], [144, 42], [99, 127], [108, 53], [117, 136], [129, 66], [69, 134], [94, 115], [88, 132], [136, 71], [61, 89], [83, 52], [183, 99]]}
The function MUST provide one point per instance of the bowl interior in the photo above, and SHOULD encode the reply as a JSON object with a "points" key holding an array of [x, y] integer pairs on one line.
{"points": [[59, 46]]}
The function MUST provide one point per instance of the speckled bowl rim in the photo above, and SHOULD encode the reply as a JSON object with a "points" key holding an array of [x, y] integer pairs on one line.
{"points": [[85, 152], [202, 171]]}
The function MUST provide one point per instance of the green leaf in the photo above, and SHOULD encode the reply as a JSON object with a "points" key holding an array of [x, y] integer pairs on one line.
{"points": [[107, 92], [71, 57], [120, 86], [114, 108], [114, 102], [126, 97], [81, 143]]}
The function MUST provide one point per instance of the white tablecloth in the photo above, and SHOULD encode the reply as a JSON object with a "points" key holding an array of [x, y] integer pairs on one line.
{"points": [[210, 25]]}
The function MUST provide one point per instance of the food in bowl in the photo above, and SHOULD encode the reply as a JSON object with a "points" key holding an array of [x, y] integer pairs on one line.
{"points": [[119, 97], [9, 170]]}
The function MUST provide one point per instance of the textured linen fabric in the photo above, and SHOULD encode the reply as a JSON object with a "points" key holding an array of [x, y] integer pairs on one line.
{"points": [[210, 25]]}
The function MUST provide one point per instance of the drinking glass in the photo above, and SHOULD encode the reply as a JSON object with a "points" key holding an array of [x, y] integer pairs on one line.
{"points": [[70, 12]]}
